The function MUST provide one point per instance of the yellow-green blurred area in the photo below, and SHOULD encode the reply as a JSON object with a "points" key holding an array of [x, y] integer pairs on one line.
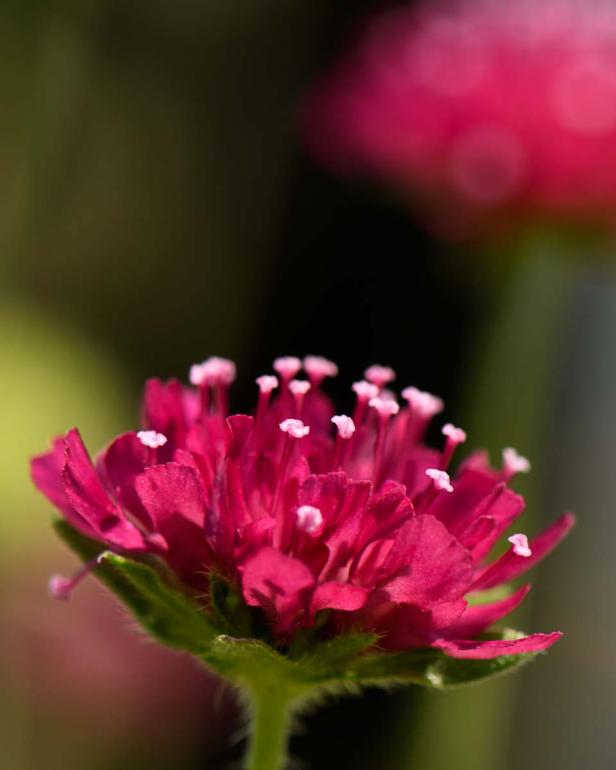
{"points": [[155, 208]]}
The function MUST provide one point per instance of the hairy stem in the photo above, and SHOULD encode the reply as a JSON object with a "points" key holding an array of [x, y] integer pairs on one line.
{"points": [[271, 721]]}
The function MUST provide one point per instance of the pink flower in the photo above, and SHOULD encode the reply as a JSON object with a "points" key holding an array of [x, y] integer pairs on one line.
{"points": [[491, 109], [358, 518]]}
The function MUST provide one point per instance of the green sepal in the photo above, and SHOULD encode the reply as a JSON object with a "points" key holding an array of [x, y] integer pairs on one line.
{"points": [[149, 591], [232, 614]]}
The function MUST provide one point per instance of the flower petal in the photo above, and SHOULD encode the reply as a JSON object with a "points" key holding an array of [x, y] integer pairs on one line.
{"points": [[427, 564], [171, 489], [485, 650], [88, 497], [338, 596], [173, 497], [278, 584], [480, 617], [46, 470], [120, 464]]}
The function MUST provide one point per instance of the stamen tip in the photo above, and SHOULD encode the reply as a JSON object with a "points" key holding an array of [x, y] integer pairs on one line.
{"points": [[151, 438], [212, 371], [457, 435], [422, 402], [318, 367], [386, 407], [59, 587], [365, 390], [294, 428], [440, 478], [514, 463], [309, 518], [267, 383], [299, 387], [345, 425], [287, 366], [520, 545], [380, 375]]}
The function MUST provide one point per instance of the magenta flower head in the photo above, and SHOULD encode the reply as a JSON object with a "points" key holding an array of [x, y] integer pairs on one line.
{"points": [[318, 548], [491, 110]]}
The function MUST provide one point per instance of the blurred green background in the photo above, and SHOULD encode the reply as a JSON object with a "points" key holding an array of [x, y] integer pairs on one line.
{"points": [[157, 208]]}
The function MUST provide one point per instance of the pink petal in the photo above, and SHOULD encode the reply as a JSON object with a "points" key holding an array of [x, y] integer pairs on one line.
{"points": [[46, 470], [405, 626], [172, 489], [88, 497], [342, 503], [493, 649], [279, 584], [386, 513], [338, 596], [513, 566], [480, 617], [120, 464], [431, 566], [172, 495]]}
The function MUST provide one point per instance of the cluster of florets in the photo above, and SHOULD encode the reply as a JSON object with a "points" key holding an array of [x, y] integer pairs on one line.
{"points": [[479, 106], [316, 518]]}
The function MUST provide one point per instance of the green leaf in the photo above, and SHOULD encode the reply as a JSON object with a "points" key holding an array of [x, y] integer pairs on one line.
{"points": [[160, 605]]}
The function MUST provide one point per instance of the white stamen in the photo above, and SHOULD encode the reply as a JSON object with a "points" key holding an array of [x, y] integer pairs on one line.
{"points": [[267, 383], [425, 404], [514, 463], [345, 425], [196, 375], [151, 438], [299, 387], [295, 428], [220, 370], [319, 367], [457, 435], [386, 407], [365, 390], [440, 478], [520, 545], [309, 518], [379, 375], [213, 370], [287, 366]]}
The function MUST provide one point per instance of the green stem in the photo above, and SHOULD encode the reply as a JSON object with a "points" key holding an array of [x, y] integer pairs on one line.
{"points": [[271, 722]]}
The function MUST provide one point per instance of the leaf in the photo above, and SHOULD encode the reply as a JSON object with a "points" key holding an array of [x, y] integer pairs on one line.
{"points": [[161, 606]]}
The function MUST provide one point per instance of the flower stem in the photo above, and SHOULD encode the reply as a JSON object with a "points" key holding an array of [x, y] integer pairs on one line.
{"points": [[271, 721]]}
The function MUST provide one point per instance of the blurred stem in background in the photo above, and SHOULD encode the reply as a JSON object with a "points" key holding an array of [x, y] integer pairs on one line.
{"points": [[508, 403]]}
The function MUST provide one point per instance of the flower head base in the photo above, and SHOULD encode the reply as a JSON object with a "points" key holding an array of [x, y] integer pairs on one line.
{"points": [[321, 522], [419, 103]]}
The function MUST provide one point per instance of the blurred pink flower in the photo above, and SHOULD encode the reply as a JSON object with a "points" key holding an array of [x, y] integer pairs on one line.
{"points": [[361, 519], [485, 109]]}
